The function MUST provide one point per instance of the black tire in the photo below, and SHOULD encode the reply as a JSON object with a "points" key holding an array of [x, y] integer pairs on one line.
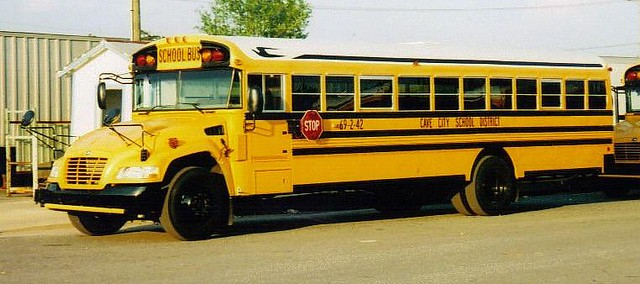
{"points": [[96, 224], [196, 206], [492, 188], [391, 201]]}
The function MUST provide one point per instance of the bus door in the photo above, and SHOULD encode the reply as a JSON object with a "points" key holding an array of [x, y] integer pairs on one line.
{"points": [[270, 144]]}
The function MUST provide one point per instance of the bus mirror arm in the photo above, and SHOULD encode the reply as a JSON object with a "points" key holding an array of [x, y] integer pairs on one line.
{"points": [[250, 125]]}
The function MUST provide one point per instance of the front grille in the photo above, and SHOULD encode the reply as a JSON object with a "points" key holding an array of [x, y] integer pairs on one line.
{"points": [[627, 151], [85, 171]]}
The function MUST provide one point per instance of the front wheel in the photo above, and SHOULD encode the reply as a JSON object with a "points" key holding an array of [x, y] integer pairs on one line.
{"points": [[96, 224], [196, 206]]}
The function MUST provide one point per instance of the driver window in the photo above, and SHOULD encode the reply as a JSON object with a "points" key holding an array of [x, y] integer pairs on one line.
{"points": [[272, 90]]}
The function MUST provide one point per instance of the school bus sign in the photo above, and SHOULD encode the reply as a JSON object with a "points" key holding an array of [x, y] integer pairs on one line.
{"points": [[311, 125], [183, 56]]}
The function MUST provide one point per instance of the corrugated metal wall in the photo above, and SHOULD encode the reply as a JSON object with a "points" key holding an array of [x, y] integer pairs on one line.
{"points": [[28, 78]]}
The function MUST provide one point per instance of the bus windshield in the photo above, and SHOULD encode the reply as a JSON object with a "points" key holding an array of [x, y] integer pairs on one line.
{"points": [[209, 89], [633, 97]]}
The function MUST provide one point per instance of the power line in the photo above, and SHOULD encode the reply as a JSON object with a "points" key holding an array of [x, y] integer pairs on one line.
{"points": [[608, 46], [465, 9]]}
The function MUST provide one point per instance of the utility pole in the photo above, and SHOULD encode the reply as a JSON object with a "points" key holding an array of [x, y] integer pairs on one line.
{"points": [[135, 20]]}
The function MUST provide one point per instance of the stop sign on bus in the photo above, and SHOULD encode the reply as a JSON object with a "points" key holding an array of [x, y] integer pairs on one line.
{"points": [[311, 125]]}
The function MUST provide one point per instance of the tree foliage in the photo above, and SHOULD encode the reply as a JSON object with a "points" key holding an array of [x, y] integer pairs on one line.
{"points": [[265, 18]]}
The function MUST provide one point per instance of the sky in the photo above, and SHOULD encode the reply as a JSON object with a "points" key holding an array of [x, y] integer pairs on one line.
{"points": [[602, 27]]}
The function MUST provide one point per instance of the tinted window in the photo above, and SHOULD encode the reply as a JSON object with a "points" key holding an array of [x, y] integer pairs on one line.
{"points": [[305, 92], [551, 94], [413, 93], [575, 94], [527, 91], [447, 93], [340, 93], [271, 85], [475, 92], [597, 95], [376, 92], [501, 93]]}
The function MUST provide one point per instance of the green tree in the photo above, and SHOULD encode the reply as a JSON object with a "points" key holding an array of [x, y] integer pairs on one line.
{"points": [[265, 18], [146, 36]]}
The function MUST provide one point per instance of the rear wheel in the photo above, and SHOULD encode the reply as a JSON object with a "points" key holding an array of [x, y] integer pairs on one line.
{"points": [[196, 206], [96, 224], [491, 191]]}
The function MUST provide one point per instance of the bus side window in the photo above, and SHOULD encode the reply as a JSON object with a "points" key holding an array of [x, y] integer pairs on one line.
{"points": [[271, 87], [305, 92], [376, 92], [475, 92], [501, 93], [447, 93], [551, 93], [575, 94], [413, 93], [340, 93], [274, 93], [597, 95], [526, 94]]}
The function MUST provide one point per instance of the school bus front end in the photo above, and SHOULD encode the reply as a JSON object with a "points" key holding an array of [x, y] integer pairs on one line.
{"points": [[107, 166], [626, 137]]}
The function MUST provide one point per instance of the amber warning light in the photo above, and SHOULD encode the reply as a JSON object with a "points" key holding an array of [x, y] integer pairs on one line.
{"points": [[214, 56], [209, 55], [144, 60], [633, 76]]}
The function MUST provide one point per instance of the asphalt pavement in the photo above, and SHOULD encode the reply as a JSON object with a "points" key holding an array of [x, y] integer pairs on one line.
{"points": [[19, 213]]}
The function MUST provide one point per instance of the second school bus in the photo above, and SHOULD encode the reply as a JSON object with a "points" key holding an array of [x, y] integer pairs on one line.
{"points": [[218, 119]]}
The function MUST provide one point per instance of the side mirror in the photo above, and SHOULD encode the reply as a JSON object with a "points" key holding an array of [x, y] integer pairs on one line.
{"points": [[256, 101], [27, 118], [102, 95], [113, 116]]}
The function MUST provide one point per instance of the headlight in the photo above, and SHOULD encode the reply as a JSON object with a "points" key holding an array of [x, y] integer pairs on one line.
{"points": [[141, 172], [55, 170]]}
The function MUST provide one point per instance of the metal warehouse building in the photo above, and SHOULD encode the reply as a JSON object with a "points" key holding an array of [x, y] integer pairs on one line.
{"points": [[28, 80]]}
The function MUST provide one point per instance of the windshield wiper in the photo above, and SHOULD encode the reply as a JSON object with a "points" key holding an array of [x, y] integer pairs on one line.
{"points": [[124, 137], [147, 111], [194, 105]]}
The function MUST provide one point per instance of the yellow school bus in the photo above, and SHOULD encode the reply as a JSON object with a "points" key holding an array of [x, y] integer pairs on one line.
{"points": [[624, 163], [218, 119]]}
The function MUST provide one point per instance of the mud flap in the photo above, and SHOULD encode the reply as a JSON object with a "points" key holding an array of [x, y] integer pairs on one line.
{"points": [[461, 205]]}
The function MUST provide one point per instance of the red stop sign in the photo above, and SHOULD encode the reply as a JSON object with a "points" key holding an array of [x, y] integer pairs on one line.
{"points": [[311, 125]]}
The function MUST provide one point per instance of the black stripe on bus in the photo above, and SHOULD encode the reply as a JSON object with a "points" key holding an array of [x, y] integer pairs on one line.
{"points": [[447, 146], [446, 61], [450, 131], [427, 114]]}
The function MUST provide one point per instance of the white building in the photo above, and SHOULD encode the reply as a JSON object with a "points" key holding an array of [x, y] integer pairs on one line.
{"points": [[107, 57]]}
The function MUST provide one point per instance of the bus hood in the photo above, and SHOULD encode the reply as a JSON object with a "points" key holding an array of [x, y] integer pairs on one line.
{"points": [[138, 135]]}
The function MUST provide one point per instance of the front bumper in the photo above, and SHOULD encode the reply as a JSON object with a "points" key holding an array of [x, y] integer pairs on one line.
{"points": [[134, 201], [621, 169]]}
